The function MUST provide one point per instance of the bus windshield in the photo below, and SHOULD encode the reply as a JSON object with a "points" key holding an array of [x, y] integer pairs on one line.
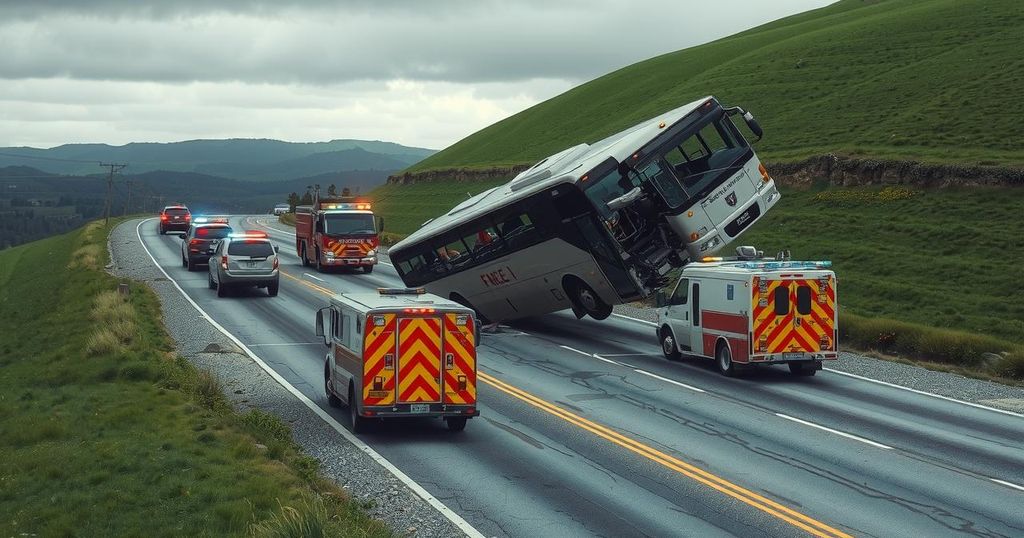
{"points": [[349, 223], [699, 161]]}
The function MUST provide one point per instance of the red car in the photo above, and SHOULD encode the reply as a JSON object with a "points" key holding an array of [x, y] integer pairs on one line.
{"points": [[175, 218]]}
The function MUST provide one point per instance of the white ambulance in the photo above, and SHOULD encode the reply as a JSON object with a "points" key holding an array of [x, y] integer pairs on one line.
{"points": [[400, 352], [750, 310]]}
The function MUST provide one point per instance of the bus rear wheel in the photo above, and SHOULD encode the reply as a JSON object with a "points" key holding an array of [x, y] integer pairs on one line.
{"points": [[589, 302]]}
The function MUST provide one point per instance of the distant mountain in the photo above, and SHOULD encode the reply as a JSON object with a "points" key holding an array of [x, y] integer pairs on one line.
{"points": [[246, 159]]}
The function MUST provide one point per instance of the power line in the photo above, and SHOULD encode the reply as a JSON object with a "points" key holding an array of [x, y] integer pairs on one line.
{"points": [[113, 167]]}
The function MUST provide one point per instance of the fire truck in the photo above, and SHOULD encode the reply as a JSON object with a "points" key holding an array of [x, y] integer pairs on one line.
{"points": [[338, 231], [400, 352], [749, 310]]}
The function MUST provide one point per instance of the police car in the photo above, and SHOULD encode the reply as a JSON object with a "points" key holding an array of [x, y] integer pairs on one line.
{"points": [[244, 260], [200, 237]]}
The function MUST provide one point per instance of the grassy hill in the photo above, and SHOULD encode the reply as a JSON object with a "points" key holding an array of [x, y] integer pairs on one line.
{"points": [[932, 80]]}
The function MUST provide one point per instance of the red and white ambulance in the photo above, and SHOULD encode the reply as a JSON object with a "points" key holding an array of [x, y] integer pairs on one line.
{"points": [[752, 310], [400, 352]]}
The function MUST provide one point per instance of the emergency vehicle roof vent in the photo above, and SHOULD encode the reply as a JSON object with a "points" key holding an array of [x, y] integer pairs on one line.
{"points": [[401, 291], [746, 252]]}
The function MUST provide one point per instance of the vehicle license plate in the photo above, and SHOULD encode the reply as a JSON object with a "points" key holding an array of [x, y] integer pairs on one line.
{"points": [[250, 264], [794, 356], [419, 408]]}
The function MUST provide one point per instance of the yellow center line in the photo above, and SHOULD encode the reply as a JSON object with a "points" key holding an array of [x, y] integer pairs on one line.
{"points": [[750, 498], [797, 519]]}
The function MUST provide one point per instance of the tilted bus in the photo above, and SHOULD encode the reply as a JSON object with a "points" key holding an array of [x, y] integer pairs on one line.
{"points": [[599, 224]]}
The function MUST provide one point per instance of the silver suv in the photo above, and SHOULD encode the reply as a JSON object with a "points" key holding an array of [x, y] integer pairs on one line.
{"points": [[244, 260]]}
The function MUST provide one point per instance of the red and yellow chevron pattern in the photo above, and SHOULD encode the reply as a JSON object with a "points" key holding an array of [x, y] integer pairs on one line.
{"points": [[350, 248], [459, 360], [379, 360], [794, 331], [419, 360]]}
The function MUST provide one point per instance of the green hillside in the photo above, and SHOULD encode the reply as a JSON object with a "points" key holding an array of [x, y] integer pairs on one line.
{"points": [[932, 80]]}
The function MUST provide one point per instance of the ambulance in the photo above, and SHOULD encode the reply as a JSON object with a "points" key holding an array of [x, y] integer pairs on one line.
{"points": [[750, 310], [400, 352]]}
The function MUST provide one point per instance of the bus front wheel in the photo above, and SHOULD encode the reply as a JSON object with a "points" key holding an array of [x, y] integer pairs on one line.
{"points": [[588, 301]]}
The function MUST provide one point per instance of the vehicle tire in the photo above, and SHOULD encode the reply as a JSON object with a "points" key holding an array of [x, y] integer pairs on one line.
{"points": [[587, 300], [184, 263], [456, 424], [273, 288], [222, 289], [359, 423], [806, 369], [163, 231], [332, 400], [191, 265], [367, 269], [668, 345], [723, 360], [302, 256], [210, 283]]}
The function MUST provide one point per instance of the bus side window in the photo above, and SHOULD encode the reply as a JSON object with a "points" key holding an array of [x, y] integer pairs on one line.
{"points": [[518, 231], [484, 244], [458, 253]]}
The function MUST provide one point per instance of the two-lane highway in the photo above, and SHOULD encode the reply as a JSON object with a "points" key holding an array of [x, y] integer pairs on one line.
{"points": [[586, 430]]}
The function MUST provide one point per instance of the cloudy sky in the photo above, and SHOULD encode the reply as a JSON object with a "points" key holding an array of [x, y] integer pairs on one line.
{"points": [[417, 72]]}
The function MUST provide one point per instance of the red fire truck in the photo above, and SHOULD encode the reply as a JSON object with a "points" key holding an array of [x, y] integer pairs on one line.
{"points": [[337, 231]]}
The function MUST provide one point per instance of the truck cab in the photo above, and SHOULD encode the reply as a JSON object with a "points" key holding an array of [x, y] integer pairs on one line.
{"points": [[338, 232], [400, 352], [752, 310]]}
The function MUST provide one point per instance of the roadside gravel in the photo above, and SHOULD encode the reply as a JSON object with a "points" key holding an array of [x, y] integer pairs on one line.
{"points": [[915, 377], [249, 386]]}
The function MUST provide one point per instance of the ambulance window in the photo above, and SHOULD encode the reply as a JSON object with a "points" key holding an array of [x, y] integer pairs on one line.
{"points": [[781, 300], [803, 300], [681, 293], [336, 325], [730, 292], [346, 323]]}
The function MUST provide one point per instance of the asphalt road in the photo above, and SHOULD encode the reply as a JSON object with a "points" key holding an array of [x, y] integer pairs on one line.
{"points": [[586, 430]]}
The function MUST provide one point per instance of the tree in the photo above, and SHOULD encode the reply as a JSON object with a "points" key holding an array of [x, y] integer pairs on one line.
{"points": [[293, 200], [345, 191], [332, 190], [307, 199]]}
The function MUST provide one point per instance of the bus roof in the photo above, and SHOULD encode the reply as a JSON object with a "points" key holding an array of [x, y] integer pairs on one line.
{"points": [[566, 166]]}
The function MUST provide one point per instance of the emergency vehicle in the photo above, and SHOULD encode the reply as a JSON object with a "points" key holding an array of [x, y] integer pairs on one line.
{"points": [[339, 231], [400, 352], [750, 310]]}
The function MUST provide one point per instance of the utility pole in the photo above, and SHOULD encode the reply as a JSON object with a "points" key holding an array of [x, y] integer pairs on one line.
{"points": [[114, 167], [128, 201]]}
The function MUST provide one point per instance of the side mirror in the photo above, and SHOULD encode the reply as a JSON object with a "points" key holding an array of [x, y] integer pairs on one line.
{"points": [[660, 300], [625, 199], [277, 249], [380, 224], [753, 125], [320, 325]]}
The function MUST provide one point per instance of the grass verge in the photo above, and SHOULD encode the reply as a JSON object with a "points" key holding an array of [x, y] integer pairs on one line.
{"points": [[287, 219], [106, 431]]}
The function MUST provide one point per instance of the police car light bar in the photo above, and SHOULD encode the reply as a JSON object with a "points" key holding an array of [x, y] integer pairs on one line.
{"points": [[253, 234], [210, 220]]}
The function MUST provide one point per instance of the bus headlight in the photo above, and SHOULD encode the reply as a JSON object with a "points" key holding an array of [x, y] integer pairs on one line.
{"points": [[772, 195], [711, 243]]}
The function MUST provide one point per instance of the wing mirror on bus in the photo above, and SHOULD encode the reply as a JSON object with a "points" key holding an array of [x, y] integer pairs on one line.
{"points": [[660, 300], [320, 325], [754, 126], [624, 200]]}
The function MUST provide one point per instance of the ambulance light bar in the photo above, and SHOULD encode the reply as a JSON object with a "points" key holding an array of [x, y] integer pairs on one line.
{"points": [[401, 291], [787, 265], [210, 220]]}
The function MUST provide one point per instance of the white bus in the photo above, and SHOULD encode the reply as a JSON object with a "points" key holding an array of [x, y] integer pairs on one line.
{"points": [[599, 224]]}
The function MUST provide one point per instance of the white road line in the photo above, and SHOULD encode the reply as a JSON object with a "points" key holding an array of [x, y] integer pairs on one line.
{"points": [[455, 518], [1007, 484], [591, 355], [644, 321], [287, 344], [837, 432], [314, 277], [923, 393], [629, 354], [667, 380]]}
